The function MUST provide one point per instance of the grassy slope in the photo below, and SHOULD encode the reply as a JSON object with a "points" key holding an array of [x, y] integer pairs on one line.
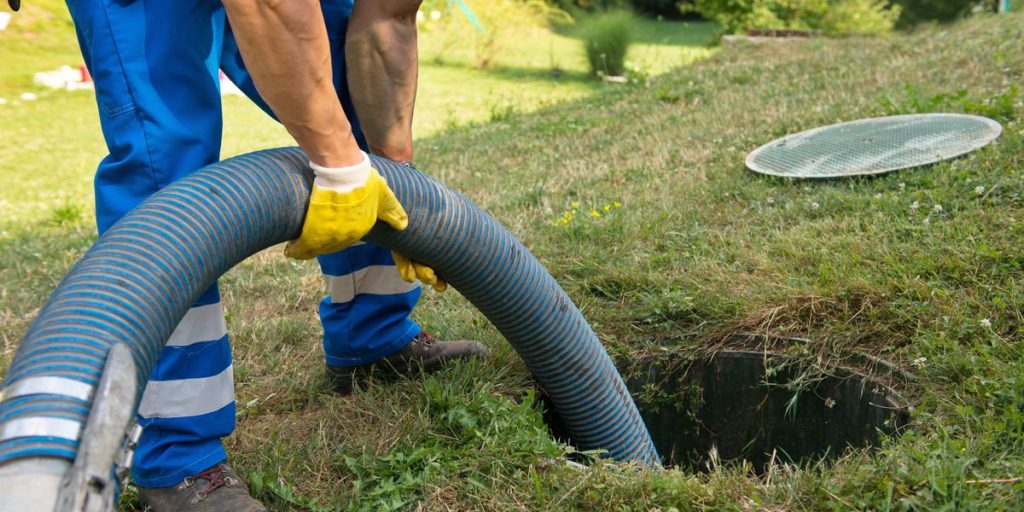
{"points": [[700, 247]]}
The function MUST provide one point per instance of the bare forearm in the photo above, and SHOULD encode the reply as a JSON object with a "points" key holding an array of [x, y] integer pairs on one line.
{"points": [[285, 48], [381, 56]]}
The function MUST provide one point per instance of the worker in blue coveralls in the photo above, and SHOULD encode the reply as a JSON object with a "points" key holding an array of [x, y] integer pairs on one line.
{"points": [[313, 66]]}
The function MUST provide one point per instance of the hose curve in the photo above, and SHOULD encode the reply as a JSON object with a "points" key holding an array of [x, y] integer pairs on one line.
{"points": [[141, 277]]}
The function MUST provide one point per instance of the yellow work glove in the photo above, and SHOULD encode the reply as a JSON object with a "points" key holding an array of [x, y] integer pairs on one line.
{"points": [[345, 204], [411, 271]]}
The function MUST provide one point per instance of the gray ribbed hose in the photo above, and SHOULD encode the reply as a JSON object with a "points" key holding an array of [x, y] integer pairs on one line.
{"points": [[140, 278]]}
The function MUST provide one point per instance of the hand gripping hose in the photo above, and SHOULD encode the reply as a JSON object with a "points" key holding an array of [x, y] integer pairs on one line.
{"points": [[140, 278]]}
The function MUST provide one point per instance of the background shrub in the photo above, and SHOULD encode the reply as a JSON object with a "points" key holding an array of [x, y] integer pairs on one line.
{"points": [[830, 16], [918, 11], [606, 39], [665, 8], [861, 17]]}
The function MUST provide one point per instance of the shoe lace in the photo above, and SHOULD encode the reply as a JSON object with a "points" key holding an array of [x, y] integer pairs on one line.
{"points": [[216, 478], [425, 339]]}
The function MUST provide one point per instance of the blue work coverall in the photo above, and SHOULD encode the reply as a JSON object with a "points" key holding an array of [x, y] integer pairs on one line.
{"points": [[155, 66]]}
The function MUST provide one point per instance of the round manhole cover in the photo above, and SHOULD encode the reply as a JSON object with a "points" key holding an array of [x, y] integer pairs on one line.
{"points": [[873, 146]]}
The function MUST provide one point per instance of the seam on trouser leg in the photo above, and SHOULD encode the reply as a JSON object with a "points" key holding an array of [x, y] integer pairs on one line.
{"points": [[138, 114]]}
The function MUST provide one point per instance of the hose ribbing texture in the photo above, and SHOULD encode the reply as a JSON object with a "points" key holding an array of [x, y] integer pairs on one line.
{"points": [[142, 275]]}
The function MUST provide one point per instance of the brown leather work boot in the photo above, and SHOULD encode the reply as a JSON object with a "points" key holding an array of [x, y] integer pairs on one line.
{"points": [[217, 489], [423, 353]]}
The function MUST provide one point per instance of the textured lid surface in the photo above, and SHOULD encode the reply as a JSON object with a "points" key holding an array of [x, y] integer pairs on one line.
{"points": [[873, 146]]}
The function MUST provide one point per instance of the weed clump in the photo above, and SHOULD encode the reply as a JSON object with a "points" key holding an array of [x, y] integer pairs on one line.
{"points": [[606, 39]]}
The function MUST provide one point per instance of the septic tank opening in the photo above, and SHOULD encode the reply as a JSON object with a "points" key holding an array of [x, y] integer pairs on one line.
{"points": [[747, 405]]}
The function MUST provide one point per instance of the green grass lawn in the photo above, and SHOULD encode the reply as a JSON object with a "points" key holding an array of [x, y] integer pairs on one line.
{"points": [[58, 139], [918, 267]]}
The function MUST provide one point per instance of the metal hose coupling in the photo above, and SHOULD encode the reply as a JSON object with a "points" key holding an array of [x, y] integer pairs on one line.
{"points": [[106, 443]]}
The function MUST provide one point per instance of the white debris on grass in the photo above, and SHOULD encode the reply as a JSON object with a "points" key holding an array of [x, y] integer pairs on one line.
{"points": [[3, 101], [28, 96], [64, 77], [70, 79], [228, 88]]}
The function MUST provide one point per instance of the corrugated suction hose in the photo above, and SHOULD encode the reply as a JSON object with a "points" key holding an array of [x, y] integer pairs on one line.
{"points": [[140, 278]]}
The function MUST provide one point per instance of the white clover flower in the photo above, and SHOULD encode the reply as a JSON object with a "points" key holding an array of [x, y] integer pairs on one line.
{"points": [[919, 362], [815, 205], [927, 221], [937, 208], [878, 195], [28, 96], [435, 15], [914, 206], [979, 190], [903, 186], [770, 201], [985, 322], [830, 403]]}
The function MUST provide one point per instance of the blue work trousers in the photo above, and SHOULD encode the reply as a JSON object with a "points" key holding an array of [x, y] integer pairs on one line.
{"points": [[155, 65]]}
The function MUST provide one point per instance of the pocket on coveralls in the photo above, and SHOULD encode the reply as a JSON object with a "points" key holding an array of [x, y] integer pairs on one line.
{"points": [[101, 54]]}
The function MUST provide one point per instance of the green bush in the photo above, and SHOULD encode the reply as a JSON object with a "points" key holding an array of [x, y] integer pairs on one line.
{"points": [[860, 17], [839, 17], [606, 39], [918, 11], [666, 8]]}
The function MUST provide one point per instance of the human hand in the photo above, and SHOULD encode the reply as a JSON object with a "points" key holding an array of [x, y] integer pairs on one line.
{"points": [[344, 205], [411, 271]]}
